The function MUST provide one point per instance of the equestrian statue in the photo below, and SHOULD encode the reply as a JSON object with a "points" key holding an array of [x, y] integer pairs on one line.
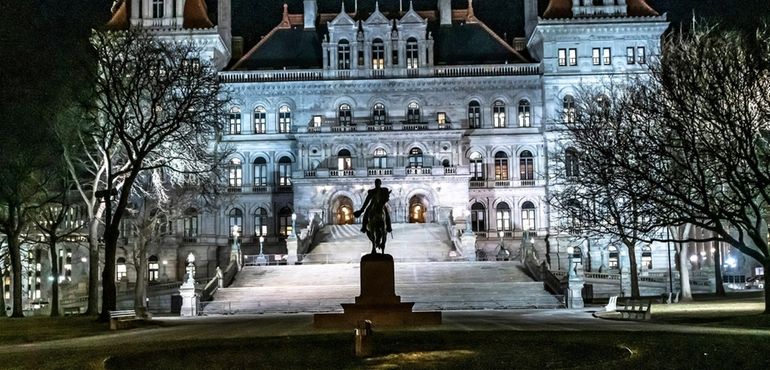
{"points": [[376, 221]]}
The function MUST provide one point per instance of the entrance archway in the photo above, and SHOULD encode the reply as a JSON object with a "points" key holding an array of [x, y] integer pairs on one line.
{"points": [[342, 208], [418, 209]]}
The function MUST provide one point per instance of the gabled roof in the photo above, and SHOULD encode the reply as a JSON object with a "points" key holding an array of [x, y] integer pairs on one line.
{"points": [[195, 15], [377, 17], [411, 16], [342, 18], [563, 9]]}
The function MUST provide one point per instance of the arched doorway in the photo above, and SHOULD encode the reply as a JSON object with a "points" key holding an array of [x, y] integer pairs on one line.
{"points": [[418, 209], [342, 208]]}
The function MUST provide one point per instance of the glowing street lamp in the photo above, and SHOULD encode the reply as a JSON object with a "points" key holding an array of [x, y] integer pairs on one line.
{"points": [[293, 225]]}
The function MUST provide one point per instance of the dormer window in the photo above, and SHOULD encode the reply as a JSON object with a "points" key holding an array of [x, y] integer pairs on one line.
{"points": [[378, 54], [157, 8], [343, 55], [412, 54]]}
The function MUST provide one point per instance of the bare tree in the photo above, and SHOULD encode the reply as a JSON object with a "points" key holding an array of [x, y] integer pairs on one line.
{"points": [[161, 106]]}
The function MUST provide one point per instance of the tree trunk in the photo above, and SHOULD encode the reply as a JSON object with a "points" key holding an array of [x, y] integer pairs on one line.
{"points": [[14, 249], [140, 264], [634, 270], [720, 286], [684, 273], [2, 294], [55, 282], [93, 268], [109, 290], [766, 266]]}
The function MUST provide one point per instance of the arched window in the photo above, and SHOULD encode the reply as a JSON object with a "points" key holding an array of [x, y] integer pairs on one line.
{"points": [[415, 158], [344, 160], [501, 166], [474, 114], [412, 54], [121, 273], [526, 168], [380, 158], [153, 269], [344, 116], [260, 172], [260, 120], [284, 171], [525, 114], [260, 222], [235, 121], [613, 257], [235, 175], [503, 217], [647, 258], [284, 221], [378, 54], [413, 113], [343, 54], [284, 119], [571, 164], [528, 216], [236, 220], [379, 115], [498, 114], [477, 166], [568, 109], [478, 218]]}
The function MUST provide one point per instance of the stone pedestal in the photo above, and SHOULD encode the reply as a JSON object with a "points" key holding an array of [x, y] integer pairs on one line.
{"points": [[575, 282], [378, 301], [291, 249], [468, 240], [189, 300]]}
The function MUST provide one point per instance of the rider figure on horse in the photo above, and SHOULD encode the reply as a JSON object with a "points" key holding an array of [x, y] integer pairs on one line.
{"points": [[375, 202]]}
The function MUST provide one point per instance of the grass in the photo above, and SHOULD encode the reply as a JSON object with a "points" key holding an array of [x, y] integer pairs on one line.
{"points": [[745, 314], [41, 328]]}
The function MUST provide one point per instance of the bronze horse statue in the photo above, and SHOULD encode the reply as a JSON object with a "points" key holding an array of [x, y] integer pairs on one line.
{"points": [[375, 230]]}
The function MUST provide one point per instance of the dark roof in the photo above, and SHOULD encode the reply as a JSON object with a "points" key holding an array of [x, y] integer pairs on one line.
{"points": [[470, 43], [195, 15], [293, 48], [563, 9]]}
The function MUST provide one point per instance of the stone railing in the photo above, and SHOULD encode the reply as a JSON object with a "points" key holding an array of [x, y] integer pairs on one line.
{"points": [[483, 184]]}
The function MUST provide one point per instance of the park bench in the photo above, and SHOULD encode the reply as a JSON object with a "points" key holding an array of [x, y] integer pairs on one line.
{"points": [[123, 319], [612, 304], [69, 311], [635, 310]]}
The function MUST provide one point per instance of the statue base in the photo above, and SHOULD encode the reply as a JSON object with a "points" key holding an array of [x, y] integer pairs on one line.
{"points": [[378, 301]]}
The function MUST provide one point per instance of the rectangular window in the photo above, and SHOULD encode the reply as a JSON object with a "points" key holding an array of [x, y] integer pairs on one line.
{"points": [[562, 57], [395, 56], [190, 227], [235, 123], [284, 174], [441, 119], [607, 56], [360, 58], [630, 55], [641, 55], [596, 56], [317, 120], [573, 57], [157, 8]]}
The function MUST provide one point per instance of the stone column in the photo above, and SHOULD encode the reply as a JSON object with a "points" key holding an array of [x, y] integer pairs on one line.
{"points": [[291, 247]]}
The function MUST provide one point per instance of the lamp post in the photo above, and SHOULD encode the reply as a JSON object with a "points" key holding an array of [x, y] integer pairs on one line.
{"points": [[165, 276], [502, 254], [190, 269], [293, 225], [261, 259]]}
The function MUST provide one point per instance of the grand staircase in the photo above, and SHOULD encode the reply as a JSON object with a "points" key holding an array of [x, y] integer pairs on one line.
{"points": [[424, 274]]}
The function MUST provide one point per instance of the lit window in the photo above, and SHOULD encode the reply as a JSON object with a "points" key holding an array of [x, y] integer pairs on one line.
{"points": [[613, 257], [607, 56], [344, 160], [153, 269], [235, 121], [647, 258], [284, 119], [441, 119], [501, 166], [498, 114], [317, 121], [235, 173], [474, 114], [568, 109], [526, 168], [120, 269], [236, 220], [412, 54], [477, 166], [525, 114], [260, 120], [260, 172], [260, 222], [284, 171], [573, 57], [284, 221], [378, 54], [343, 55], [562, 57], [528, 216], [503, 217], [380, 158], [596, 56]]}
